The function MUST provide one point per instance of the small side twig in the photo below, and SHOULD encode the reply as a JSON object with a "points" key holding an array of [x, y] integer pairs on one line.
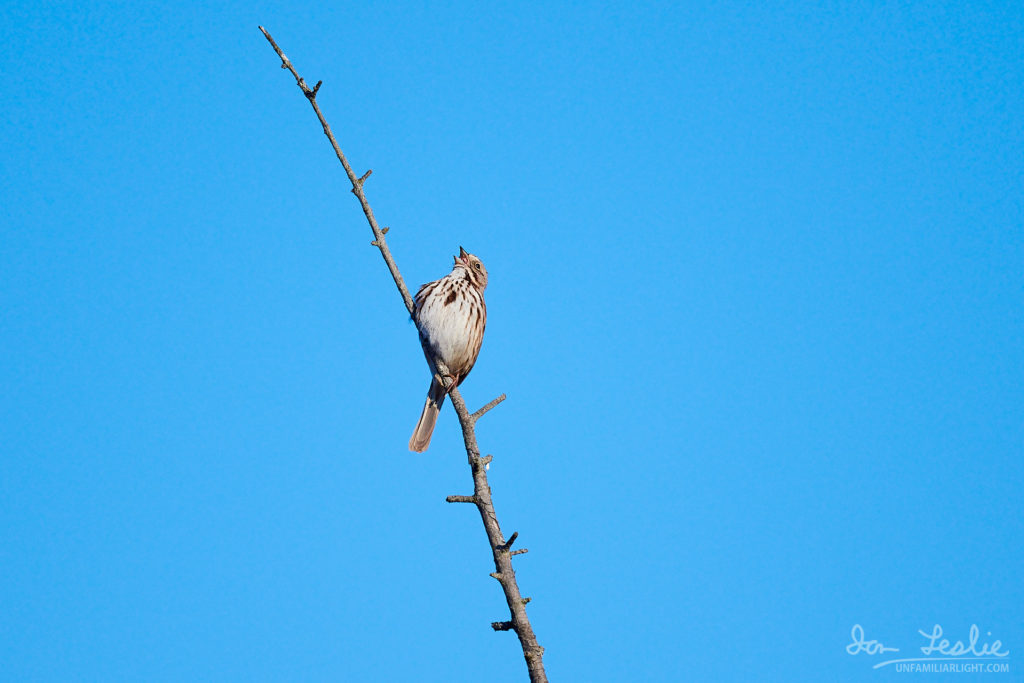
{"points": [[461, 499], [504, 547], [480, 413]]}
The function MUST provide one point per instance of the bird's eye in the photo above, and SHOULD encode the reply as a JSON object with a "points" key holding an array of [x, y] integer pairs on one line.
{"points": [[477, 265]]}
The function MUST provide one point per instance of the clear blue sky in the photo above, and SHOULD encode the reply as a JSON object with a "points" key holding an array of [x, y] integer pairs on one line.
{"points": [[756, 298]]}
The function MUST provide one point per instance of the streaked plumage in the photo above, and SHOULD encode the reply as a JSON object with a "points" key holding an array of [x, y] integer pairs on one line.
{"points": [[450, 315]]}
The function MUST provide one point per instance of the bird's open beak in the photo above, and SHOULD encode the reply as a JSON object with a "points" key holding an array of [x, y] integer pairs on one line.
{"points": [[463, 256]]}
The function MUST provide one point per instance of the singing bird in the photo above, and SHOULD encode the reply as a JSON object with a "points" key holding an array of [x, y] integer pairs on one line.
{"points": [[450, 315]]}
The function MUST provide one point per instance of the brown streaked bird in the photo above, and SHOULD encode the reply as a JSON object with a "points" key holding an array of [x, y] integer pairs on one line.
{"points": [[450, 315]]}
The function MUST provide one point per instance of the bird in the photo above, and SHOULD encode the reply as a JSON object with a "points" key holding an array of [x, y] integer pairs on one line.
{"points": [[450, 315]]}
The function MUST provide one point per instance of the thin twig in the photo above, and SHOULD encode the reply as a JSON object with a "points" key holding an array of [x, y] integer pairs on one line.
{"points": [[481, 497], [357, 183]]}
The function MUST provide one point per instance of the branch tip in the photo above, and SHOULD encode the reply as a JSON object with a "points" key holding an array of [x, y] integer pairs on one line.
{"points": [[362, 178], [521, 551], [497, 576], [503, 626]]}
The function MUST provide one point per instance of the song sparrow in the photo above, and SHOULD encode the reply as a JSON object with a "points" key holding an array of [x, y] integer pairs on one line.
{"points": [[450, 315]]}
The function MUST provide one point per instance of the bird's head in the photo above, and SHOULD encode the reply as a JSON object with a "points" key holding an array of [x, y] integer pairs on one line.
{"points": [[473, 267]]}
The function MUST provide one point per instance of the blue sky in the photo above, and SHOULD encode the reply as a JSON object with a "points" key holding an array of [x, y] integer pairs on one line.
{"points": [[755, 298]]}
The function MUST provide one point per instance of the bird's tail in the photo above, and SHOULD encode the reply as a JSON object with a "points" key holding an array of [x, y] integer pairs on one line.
{"points": [[428, 418]]}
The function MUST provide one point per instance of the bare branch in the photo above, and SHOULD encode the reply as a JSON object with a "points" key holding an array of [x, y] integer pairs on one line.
{"points": [[520, 623], [520, 551]]}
